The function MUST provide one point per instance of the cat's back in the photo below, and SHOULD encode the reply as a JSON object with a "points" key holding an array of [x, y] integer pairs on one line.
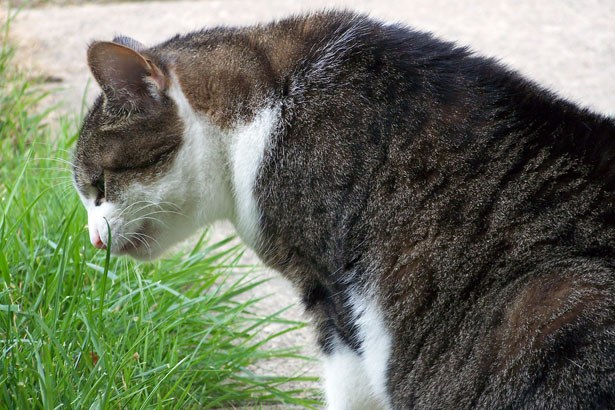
{"points": [[476, 204], [449, 224], [480, 206]]}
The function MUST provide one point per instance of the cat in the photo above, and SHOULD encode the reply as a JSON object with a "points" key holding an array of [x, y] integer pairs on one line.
{"points": [[449, 224]]}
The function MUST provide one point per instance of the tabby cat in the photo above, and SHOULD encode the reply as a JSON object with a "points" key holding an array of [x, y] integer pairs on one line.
{"points": [[449, 224]]}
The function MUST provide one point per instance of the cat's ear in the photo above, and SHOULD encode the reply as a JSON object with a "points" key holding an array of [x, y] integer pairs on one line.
{"points": [[125, 76], [130, 43]]}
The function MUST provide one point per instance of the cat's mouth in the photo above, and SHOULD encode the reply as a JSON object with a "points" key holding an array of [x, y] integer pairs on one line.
{"points": [[138, 244]]}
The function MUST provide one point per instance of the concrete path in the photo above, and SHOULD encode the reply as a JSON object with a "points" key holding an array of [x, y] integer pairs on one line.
{"points": [[568, 46]]}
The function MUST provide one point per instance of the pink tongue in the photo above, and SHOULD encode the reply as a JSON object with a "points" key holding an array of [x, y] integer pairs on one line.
{"points": [[97, 242]]}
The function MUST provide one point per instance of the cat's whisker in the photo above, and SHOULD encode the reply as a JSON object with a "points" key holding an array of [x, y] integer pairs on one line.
{"points": [[70, 167], [54, 169], [59, 179], [171, 204], [141, 238], [144, 218], [147, 204], [144, 242], [147, 218], [42, 163], [162, 205], [65, 151], [56, 181], [134, 235], [143, 235], [150, 218], [159, 209], [66, 193], [127, 239], [164, 211], [63, 186], [62, 160], [134, 204]]}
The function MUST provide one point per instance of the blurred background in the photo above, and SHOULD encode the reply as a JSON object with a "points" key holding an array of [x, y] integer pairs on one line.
{"points": [[566, 45]]}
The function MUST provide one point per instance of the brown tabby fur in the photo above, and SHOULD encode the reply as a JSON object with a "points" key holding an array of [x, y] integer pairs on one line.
{"points": [[479, 207]]}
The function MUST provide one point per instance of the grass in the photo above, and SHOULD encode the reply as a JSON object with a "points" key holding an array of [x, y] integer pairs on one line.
{"points": [[79, 329]]}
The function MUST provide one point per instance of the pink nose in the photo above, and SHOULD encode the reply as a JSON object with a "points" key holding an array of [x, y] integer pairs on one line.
{"points": [[97, 242]]}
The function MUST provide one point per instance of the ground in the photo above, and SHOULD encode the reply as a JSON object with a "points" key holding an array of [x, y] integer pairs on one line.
{"points": [[568, 46]]}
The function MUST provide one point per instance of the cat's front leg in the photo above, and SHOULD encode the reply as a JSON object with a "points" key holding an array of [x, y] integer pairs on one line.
{"points": [[346, 383]]}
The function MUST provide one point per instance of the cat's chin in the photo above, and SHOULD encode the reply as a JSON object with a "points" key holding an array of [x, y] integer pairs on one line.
{"points": [[140, 247], [140, 253]]}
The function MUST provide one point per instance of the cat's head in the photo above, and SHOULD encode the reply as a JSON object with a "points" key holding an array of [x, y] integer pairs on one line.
{"points": [[134, 160]]}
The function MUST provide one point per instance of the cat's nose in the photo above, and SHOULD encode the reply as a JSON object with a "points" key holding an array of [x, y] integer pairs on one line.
{"points": [[96, 241]]}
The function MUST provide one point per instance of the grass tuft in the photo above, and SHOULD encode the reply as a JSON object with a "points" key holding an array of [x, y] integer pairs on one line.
{"points": [[81, 330]]}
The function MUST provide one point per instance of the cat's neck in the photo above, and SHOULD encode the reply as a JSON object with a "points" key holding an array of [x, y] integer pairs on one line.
{"points": [[236, 78], [248, 144], [231, 156], [229, 121], [203, 146]]}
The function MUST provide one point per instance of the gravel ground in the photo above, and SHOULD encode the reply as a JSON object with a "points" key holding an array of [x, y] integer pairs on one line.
{"points": [[568, 46]]}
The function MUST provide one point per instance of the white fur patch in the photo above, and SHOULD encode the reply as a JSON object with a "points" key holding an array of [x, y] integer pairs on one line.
{"points": [[212, 177], [357, 382], [376, 344], [346, 382], [200, 172], [96, 217], [248, 145], [191, 193], [215, 157], [97, 221]]}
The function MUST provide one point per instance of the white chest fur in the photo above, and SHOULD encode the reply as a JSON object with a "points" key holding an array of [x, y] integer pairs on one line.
{"points": [[225, 164], [248, 145], [358, 382]]}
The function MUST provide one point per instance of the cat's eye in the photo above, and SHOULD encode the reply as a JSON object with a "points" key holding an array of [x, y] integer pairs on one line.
{"points": [[99, 184]]}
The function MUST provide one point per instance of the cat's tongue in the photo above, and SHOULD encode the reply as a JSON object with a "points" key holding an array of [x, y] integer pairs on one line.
{"points": [[96, 241]]}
